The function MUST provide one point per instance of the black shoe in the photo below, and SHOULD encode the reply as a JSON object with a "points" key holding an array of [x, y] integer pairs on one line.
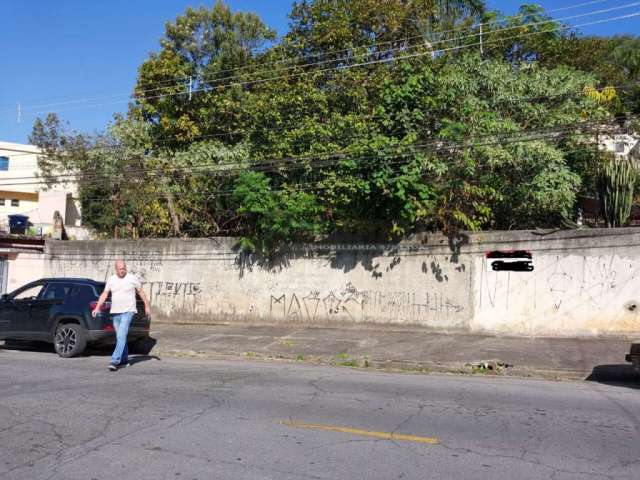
{"points": [[124, 364], [113, 367]]}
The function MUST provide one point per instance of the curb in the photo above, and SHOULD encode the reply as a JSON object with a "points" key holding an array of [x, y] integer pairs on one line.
{"points": [[399, 366]]}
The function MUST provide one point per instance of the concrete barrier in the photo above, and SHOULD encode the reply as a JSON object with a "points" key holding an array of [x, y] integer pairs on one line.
{"points": [[583, 282]]}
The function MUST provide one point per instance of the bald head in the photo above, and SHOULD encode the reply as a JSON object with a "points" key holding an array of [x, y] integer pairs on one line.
{"points": [[121, 268]]}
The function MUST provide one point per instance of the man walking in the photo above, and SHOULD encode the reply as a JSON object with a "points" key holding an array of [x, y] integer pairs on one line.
{"points": [[123, 287]]}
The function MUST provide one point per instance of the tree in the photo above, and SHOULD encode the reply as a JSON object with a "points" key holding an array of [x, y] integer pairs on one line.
{"points": [[200, 52], [351, 124], [626, 56], [110, 172], [487, 178], [275, 218], [530, 35], [346, 28]]}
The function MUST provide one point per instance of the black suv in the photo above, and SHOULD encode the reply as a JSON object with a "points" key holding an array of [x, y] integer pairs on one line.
{"points": [[58, 311]]}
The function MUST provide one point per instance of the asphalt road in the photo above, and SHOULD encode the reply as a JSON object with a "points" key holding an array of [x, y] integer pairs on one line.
{"points": [[204, 419]]}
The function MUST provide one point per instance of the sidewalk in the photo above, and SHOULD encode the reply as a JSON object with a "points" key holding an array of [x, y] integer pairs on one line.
{"points": [[402, 349]]}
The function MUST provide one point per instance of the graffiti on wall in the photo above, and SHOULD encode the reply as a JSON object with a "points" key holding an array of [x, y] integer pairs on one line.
{"points": [[145, 263], [174, 295], [595, 283], [172, 289], [142, 263], [363, 305]]}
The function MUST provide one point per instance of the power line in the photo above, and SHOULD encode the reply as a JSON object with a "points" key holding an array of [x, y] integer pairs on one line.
{"points": [[532, 98], [403, 39], [179, 80], [324, 159], [437, 142], [298, 188], [371, 62], [346, 151], [396, 49]]}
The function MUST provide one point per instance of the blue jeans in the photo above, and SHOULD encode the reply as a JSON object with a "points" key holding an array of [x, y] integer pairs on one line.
{"points": [[121, 322]]}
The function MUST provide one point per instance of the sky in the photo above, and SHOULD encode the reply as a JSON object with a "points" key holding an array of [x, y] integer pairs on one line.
{"points": [[83, 55]]}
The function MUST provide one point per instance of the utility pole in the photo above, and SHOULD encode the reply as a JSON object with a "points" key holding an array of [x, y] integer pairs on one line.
{"points": [[481, 46], [190, 87], [598, 172]]}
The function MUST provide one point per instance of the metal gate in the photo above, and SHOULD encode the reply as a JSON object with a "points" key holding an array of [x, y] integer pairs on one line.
{"points": [[4, 271]]}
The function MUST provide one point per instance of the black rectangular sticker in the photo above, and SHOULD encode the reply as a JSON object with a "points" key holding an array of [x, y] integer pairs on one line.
{"points": [[511, 260]]}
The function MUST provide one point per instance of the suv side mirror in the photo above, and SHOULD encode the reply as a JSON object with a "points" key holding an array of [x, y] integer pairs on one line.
{"points": [[5, 297]]}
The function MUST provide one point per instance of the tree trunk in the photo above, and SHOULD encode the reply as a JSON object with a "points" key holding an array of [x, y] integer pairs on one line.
{"points": [[175, 220]]}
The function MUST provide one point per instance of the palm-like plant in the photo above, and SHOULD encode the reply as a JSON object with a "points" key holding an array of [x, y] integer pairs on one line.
{"points": [[451, 12], [627, 55]]}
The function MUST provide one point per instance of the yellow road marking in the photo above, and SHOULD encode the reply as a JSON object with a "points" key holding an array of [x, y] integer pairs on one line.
{"points": [[364, 433]]}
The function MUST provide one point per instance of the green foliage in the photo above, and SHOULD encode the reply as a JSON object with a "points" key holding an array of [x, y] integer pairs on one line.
{"points": [[202, 48], [115, 196], [616, 182], [276, 217], [489, 183], [281, 141], [329, 25], [530, 35]]}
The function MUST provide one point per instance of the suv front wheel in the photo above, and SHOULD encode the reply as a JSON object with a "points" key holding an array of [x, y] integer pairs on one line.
{"points": [[70, 340]]}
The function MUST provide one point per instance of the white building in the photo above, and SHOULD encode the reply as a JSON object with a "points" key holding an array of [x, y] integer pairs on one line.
{"points": [[622, 145], [23, 192]]}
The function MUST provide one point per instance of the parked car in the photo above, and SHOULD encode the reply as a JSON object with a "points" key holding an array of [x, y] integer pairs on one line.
{"points": [[58, 311], [634, 355]]}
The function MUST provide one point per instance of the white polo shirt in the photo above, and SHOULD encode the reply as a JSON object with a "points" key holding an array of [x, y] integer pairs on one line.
{"points": [[123, 293]]}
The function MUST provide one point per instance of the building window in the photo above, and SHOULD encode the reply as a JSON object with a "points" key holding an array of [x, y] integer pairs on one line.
{"points": [[15, 203], [619, 147], [1, 202], [4, 163]]}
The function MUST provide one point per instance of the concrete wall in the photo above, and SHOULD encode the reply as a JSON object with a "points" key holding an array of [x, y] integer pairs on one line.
{"points": [[72, 216], [49, 202], [206, 279], [584, 283], [23, 268]]}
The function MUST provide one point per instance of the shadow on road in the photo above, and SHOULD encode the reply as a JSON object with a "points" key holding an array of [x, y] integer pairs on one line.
{"points": [[616, 375], [142, 358], [27, 346], [141, 349]]}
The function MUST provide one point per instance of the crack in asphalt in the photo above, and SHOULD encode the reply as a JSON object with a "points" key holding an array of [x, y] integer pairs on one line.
{"points": [[181, 421], [204, 393], [317, 392], [236, 463]]}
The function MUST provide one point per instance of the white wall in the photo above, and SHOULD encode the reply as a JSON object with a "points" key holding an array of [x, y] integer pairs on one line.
{"points": [[628, 142], [595, 293], [206, 280], [23, 169], [585, 282], [23, 162], [24, 268], [50, 201]]}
